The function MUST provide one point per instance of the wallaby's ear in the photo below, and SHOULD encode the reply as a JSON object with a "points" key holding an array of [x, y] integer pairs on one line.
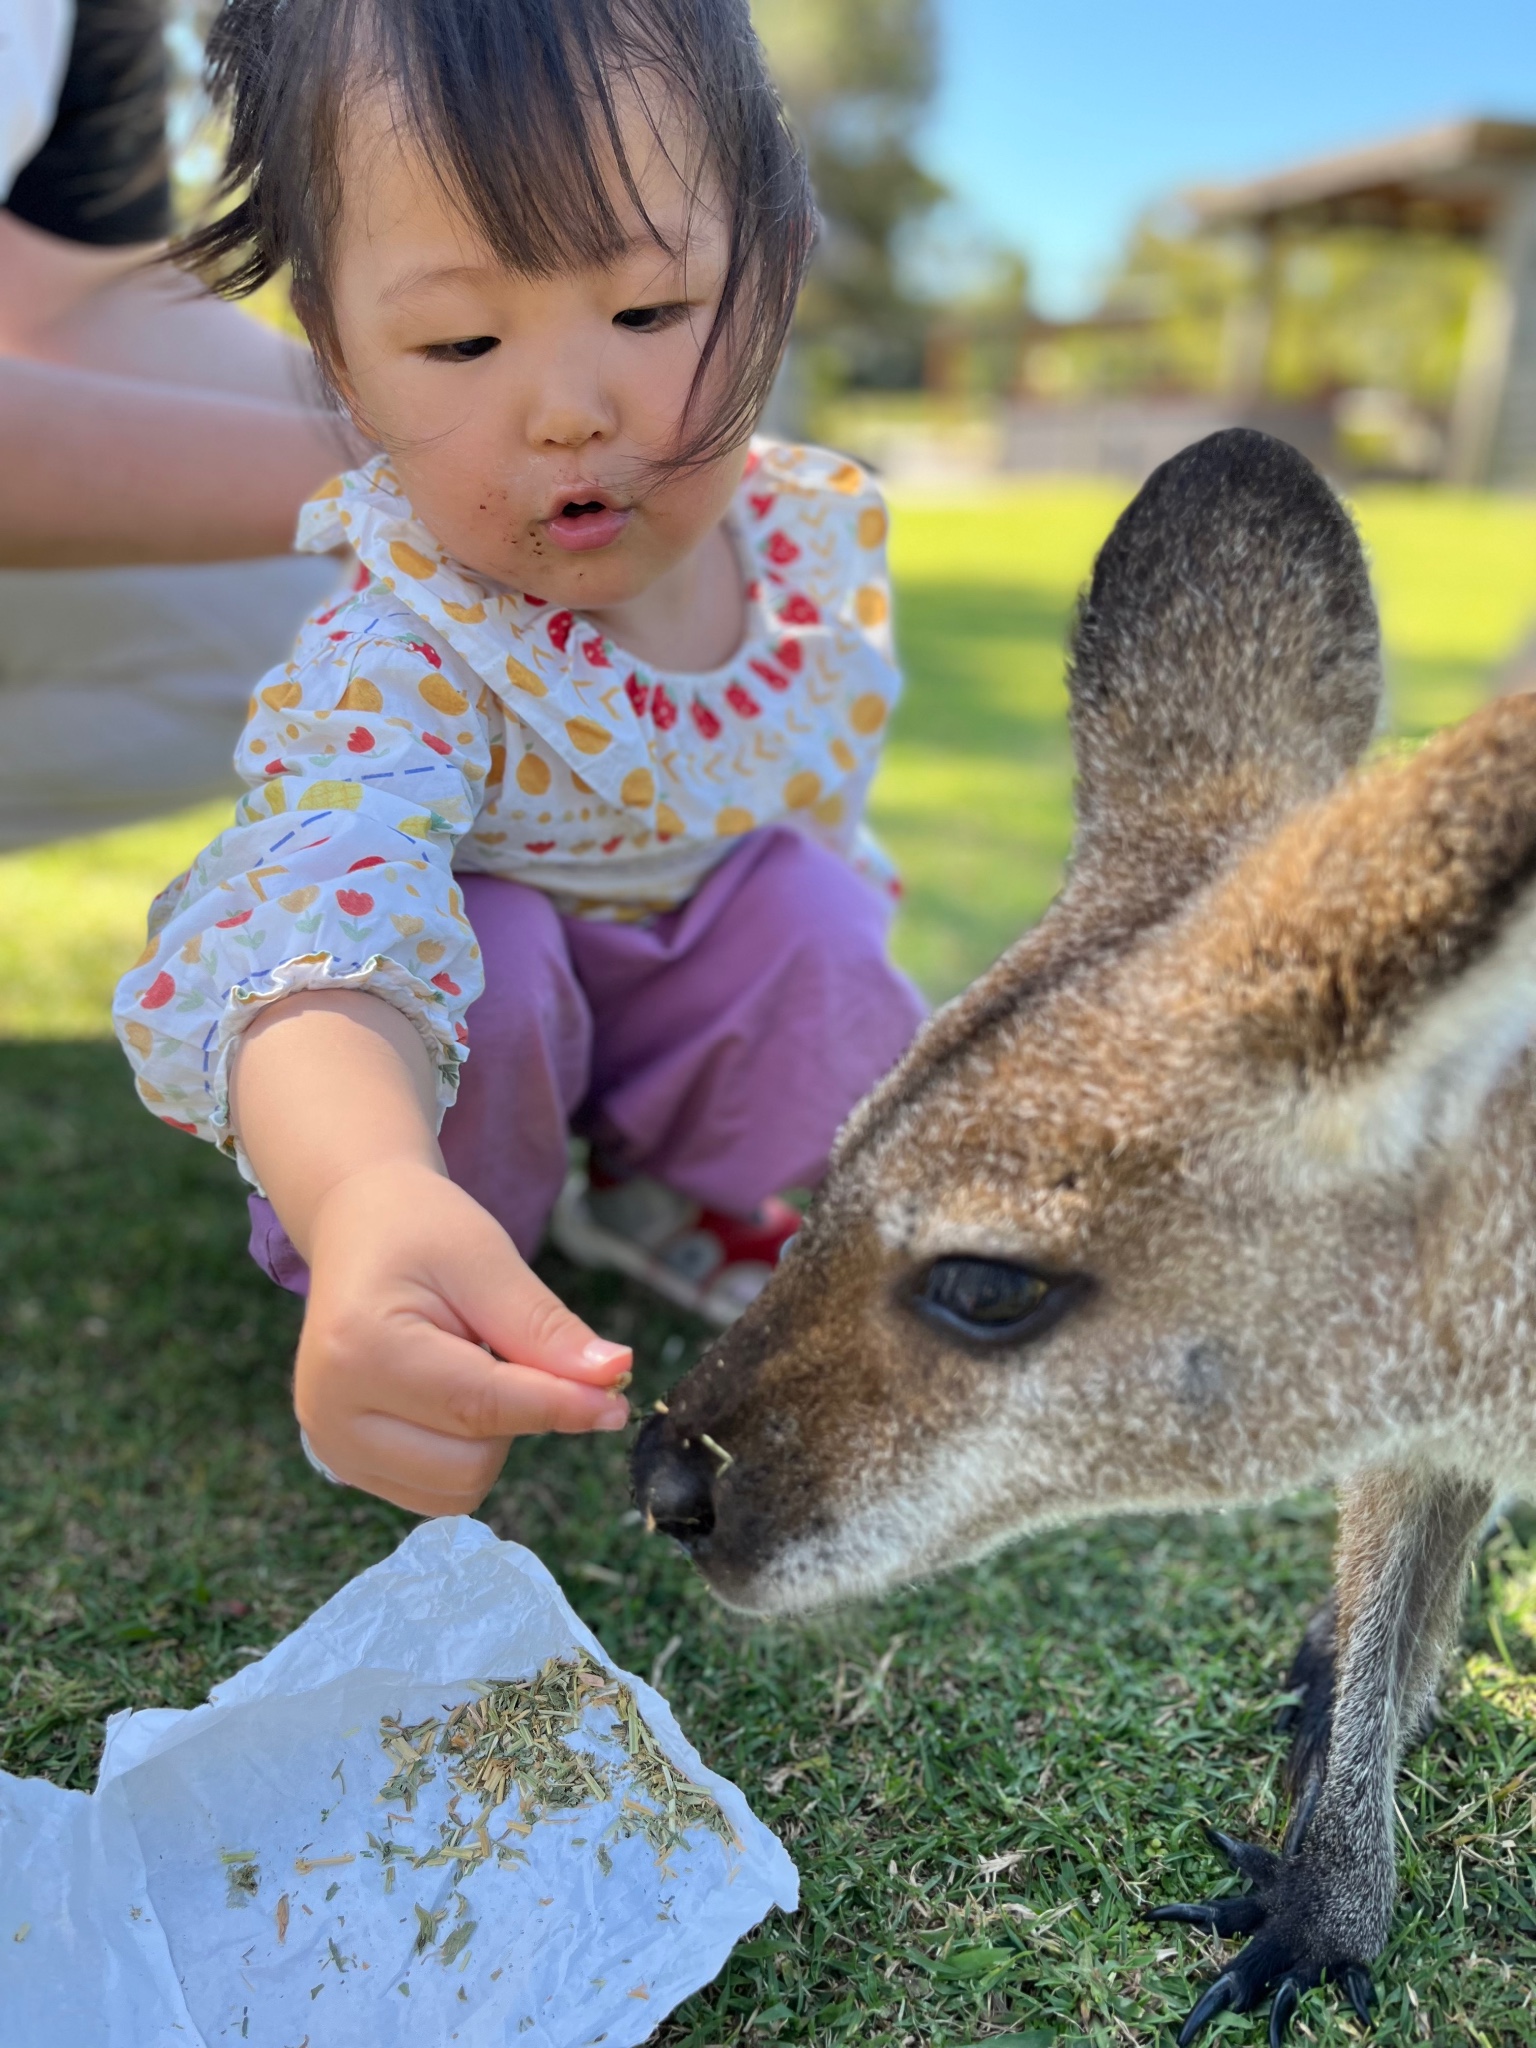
{"points": [[1382, 945], [1226, 661]]}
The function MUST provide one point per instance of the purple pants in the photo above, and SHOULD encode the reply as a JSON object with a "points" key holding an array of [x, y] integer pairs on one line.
{"points": [[717, 1048]]}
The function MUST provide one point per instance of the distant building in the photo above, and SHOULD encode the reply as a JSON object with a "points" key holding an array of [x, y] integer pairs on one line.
{"points": [[1473, 179]]}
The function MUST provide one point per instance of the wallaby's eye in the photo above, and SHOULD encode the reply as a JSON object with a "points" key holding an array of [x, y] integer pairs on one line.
{"points": [[992, 1301]]}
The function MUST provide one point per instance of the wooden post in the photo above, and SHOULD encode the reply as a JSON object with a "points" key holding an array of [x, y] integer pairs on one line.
{"points": [[1493, 421]]}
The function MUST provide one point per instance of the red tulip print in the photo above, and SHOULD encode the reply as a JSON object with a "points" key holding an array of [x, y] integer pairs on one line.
{"points": [[354, 902], [438, 746], [158, 994], [227, 924], [360, 740], [447, 984], [369, 860]]}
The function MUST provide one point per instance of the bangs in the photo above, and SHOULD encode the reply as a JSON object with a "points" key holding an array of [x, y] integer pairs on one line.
{"points": [[519, 109]]}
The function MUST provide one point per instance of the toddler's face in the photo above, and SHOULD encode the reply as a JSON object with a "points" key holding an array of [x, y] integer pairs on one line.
{"points": [[508, 402]]}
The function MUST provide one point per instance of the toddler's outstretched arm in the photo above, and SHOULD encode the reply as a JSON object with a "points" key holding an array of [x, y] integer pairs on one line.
{"points": [[334, 1101]]}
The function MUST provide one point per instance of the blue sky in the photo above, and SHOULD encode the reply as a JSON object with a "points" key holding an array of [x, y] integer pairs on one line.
{"points": [[1059, 123]]}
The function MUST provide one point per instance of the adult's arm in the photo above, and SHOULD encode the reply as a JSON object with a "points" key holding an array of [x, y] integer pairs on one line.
{"points": [[143, 420]]}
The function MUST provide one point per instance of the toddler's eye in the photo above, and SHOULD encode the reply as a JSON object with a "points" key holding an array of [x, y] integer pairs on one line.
{"points": [[461, 351], [648, 319]]}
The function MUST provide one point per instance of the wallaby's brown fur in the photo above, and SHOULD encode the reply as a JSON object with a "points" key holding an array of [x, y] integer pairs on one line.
{"points": [[1218, 1185]]}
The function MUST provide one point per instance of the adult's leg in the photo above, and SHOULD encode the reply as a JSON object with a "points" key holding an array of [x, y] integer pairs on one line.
{"points": [[123, 691], [733, 1036], [530, 1037]]}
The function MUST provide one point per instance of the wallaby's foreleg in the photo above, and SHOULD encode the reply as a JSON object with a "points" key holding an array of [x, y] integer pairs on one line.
{"points": [[1322, 1906]]}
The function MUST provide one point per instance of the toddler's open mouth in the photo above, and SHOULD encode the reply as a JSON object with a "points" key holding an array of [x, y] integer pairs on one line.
{"points": [[581, 524]]}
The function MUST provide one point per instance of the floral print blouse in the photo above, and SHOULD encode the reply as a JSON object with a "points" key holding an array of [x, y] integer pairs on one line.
{"points": [[430, 723]]}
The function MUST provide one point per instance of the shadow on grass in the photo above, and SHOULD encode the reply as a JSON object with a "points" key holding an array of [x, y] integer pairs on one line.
{"points": [[1070, 1710]]}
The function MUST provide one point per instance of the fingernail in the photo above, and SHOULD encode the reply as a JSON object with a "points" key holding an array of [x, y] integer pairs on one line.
{"points": [[601, 1352], [615, 1415], [621, 1382]]}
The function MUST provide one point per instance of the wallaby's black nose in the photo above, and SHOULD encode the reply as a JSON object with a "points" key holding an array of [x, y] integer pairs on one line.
{"points": [[674, 1480]]}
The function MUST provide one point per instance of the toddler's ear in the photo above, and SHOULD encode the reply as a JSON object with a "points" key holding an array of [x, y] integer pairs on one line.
{"points": [[1382, 946]]}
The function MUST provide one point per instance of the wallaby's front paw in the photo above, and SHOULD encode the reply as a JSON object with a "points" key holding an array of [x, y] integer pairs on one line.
{"points": [[1284, 1909]]}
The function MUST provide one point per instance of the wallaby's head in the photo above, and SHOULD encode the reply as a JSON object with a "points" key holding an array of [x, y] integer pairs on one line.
{"points": [[1133, 1224]]}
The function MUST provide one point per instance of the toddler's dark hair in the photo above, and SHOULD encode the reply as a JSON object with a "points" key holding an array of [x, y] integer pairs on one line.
{"points": [[513, 104]]}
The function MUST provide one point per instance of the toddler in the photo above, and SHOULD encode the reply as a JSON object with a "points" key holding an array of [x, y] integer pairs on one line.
{"points": [[572, 780]]}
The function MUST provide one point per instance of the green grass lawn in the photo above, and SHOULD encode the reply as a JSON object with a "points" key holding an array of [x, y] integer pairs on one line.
{"points": [[983, 1780]]}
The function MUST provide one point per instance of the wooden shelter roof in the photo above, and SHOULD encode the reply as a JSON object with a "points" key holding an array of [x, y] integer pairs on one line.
{"points": [[1448, 180]]}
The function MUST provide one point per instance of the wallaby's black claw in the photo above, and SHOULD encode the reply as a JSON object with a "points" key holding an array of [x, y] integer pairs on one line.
{"points": [[1359, 1990], [1187, 1916], [1217, 1998], [1287, 1996], [1256, 1863]]}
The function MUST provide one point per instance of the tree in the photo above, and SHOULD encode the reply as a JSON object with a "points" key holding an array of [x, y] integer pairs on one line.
{"points": [[857, 77]]}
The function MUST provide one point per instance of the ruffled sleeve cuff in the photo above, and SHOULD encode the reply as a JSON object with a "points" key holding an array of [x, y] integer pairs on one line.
{"points": [[425, 1006]]}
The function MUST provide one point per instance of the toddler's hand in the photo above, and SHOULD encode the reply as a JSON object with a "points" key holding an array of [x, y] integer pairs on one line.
{"points": [[410, 1277]]}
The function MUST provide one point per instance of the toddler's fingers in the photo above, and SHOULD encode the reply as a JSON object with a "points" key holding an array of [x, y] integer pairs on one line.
{"points": [[418, 1469], [524, 1323], [446, 1384]]}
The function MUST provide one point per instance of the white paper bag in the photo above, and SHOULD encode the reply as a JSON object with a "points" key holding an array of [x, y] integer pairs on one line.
{"points": [[236, 1876]]}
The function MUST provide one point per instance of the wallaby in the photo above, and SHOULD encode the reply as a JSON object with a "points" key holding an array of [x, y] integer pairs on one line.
{"points": [[1218, 1185]]}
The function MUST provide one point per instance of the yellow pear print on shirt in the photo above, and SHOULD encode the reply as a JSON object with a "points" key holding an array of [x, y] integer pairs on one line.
{"points": [[465, 614], [871, 605], [846, 477], [866, 714], [525, 680], [668, 824], [333, 489], [872, 526], [437, 691], [282, 696], [411, 560], [361, 695], [587, 736], [802, 790], [638, 788], [532, 775], [330, 796], [733, 819], [140, 1037], [843, 755]]}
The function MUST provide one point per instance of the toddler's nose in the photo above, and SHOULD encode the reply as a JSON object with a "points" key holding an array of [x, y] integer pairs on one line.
{"points": [[674, 1480]]}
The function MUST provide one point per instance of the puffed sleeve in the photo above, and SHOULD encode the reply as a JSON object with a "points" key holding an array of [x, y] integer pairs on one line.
{"points": [[364, 758]]}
